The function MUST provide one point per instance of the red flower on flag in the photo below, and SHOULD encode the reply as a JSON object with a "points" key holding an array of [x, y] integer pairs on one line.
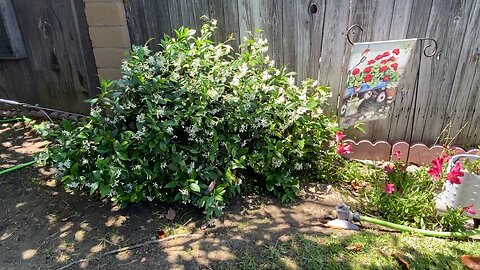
{"points": [[368, 78]]}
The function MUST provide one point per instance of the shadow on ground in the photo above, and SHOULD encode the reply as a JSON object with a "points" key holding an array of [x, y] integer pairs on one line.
{"points": [[44, 227]]}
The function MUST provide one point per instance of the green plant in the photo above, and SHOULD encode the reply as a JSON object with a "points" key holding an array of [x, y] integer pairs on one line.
{"points": [[403, 197], [406, 195], [193, 121], [472, 166], [453, 220]]}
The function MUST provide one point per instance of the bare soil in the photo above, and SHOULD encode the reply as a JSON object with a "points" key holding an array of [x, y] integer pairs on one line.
{"points": [[44, 227]]}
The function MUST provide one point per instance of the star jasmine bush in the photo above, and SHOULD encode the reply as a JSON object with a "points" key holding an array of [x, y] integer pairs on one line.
{"points": [[191, 122]]}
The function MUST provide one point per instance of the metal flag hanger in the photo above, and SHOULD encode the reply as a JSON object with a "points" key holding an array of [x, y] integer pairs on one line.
{"points": [[351, 30]]}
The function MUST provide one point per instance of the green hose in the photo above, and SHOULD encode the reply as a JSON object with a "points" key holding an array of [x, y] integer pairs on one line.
{"points": [[18, 167], [463, 234], [8, 120]]}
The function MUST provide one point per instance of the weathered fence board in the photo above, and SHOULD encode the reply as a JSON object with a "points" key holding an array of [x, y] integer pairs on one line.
{"points": [[465, 93], [308, 36], [59, 70]]}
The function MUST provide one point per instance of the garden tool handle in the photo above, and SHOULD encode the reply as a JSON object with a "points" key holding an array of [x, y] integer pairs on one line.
{"points": [[455, 158]]}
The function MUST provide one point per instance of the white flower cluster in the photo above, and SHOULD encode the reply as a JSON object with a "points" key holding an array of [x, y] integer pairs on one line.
{"points": [[140, 133], [276, 162], [89, 145], [95, 111]]}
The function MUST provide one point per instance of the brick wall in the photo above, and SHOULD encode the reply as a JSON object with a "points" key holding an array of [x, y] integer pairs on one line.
{"points": [[109, 34]]}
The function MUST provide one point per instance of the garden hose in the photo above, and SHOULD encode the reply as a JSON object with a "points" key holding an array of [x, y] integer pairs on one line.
{"points": [[343, 212], [462, 234], [8, 120], [18, 167]]}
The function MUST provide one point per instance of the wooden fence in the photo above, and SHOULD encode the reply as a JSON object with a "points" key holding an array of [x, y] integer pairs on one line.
{"points": [[59, 70], [309, 37]]}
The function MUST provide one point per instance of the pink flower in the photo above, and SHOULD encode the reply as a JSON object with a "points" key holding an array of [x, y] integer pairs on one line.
{"points": [[389, 188], [389, 168], [385, 54], [469, 209], [367, 69], [455, 173], [383, 68], [396, 51], [378, 57], [371, 62], [437, 167], [394, 66], [339, 136], [344, 149], [397, 154], [355, 71]]}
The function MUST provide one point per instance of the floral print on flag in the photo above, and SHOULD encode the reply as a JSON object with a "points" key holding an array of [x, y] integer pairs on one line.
{"points": [[374, 71]]}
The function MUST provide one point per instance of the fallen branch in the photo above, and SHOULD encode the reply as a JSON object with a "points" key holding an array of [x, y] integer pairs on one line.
{"points": [[115, 251]]}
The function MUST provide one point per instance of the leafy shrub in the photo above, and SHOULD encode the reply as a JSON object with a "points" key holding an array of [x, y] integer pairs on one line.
{"points": [[193, 121]]}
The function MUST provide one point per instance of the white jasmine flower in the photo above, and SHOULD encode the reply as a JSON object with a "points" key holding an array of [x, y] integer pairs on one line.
{"points": [[243, 128], [266, 76], [72, 185], [276, 162], [291, 81], [298, 166], [140, 118]]}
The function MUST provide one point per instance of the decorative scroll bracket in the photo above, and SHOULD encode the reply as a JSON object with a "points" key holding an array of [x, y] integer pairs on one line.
{"points": [[351, 30]]}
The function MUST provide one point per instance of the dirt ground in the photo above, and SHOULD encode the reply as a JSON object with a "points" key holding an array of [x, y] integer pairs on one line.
{"points": [[44, 227]]}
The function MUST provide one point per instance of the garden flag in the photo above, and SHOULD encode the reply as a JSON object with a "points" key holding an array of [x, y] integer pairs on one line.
{"points": [[374, 70]]}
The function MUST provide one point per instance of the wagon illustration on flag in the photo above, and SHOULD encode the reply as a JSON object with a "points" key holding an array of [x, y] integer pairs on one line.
{"points": [[374, 71]]}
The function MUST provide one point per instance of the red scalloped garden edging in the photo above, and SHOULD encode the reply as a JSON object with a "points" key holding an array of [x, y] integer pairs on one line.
{"points": [[417, 153]]}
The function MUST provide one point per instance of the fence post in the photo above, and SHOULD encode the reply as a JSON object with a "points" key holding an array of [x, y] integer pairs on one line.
{"points": [[109, 35]]}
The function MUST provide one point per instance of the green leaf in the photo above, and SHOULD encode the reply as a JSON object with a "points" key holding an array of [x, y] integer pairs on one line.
{"points": [[301, 144], [93, 188], [163, 146], [229, 175], [104, 190], [74, 169], [122, 155], [172, 184], [195, 187]]}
